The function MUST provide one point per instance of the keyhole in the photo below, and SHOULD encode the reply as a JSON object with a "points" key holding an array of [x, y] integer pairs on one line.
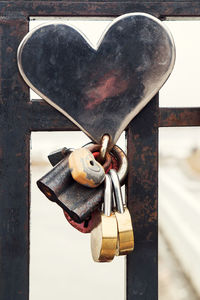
{"points": [[92, 163]]}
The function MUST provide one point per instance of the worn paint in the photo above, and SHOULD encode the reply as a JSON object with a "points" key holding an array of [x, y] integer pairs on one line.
{"points": [[19, 116]]}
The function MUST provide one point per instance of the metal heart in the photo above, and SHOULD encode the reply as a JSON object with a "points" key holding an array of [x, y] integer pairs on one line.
{"points": [[99, 89]]}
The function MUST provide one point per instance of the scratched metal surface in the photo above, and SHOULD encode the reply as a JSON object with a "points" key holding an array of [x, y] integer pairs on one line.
{"points": [[114, 81], [18, 117]]}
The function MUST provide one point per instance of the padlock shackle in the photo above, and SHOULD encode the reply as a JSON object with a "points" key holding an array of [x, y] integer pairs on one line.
{"points": [[108, 190], [120, 156], [117, 191]]}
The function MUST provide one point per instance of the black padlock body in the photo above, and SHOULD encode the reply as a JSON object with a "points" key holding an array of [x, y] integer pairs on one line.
{"points": [[58, 155], [77, 200]]}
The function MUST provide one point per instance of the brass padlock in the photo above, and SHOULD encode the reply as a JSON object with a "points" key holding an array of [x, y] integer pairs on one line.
{"points": [[104, 235], [125, 243]]}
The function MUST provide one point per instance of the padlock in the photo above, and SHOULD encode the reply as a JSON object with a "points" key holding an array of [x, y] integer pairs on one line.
{"points": [[87, 225], [77, 200], [101, 103], [125, 230], [56, 156], [104, 235], [85, 169]]}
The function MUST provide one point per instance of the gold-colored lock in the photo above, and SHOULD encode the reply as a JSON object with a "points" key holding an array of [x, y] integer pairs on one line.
{"points": [[105, 235], [85, 169], [125, 230]]}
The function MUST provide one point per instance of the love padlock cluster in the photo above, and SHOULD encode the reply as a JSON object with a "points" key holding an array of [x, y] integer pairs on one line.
{"points": [[90, 194], [101, 89]]}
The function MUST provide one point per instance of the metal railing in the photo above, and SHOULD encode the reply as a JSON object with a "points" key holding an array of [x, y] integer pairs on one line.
{"points": [[19, 116]]}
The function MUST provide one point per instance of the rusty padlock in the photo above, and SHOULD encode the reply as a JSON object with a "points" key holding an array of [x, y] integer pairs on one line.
{"points": [[88, 225], [56, 156], [85, 169], [77, 200]]}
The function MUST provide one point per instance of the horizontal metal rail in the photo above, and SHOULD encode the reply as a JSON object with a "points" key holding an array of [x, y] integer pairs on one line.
{"points": [[19, 116]]}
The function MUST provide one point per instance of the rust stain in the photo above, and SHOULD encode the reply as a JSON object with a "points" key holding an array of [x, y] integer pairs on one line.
{"points": [[179, 117], [26, 184], [18, 154], [9, 50], [109, 86], [20, 292], [149, 235]]}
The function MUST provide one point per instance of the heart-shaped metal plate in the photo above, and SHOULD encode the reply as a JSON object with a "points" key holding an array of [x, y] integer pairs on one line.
{"points": [[99, 89]]}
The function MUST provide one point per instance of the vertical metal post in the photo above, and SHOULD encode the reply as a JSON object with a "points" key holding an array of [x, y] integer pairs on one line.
{"points": [[142, 264], [14, 167], [18, 117]]}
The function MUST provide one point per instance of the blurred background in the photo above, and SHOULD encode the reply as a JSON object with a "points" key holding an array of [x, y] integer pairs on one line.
{"points": [[61, 266]]}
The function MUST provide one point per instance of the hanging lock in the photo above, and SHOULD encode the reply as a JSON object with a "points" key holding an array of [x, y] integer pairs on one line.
{"points": [[56, 156], [125, 230], [78, 200], [85, 169], [104, 235]]}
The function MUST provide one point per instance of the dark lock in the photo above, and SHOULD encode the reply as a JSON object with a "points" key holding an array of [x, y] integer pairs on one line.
{"points": [[77, 200], [58, 155]]}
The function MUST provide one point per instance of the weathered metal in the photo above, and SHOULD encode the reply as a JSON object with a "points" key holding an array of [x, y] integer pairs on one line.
{"points": [[160, 9], [56, 156], [179, 116], [142, 192], [78, 200], [116, 78], [19, 116], [14, 158], [85, 169]]}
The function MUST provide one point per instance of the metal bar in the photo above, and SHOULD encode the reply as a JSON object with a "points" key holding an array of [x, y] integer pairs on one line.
{"points": [[179, 117], [99, 8], [14, 168], [18, 117], [43, 117], [142, 188]]}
